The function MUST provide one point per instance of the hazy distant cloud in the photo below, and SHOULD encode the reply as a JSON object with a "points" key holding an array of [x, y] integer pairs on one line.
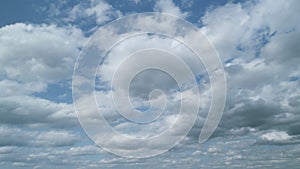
{"points": [[19, 137]]}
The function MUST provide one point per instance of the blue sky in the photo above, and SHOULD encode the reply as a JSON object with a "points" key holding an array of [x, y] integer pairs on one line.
{"points": [[257, 42]]}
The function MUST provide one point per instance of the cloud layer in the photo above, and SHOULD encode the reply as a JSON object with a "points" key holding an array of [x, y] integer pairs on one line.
{"points": [[256, 40]]}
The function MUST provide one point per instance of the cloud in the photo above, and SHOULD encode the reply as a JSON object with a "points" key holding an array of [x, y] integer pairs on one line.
{"points": [[12, 136], [259, 56], [103, 11], [43, 53], [32, 57], [13, 88], [257, 100], [56, 138], [6, 149], [169, 7], [277, 138], [256, 40], [94, 10], [141, 87], [27, 110]]}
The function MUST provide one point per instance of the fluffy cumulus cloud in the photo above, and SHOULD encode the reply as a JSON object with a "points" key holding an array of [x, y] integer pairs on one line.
{"points": [[260, 60], [29, 110], [276, 137], [34, 57], [39, 52], [169, 7], [258, 45]]}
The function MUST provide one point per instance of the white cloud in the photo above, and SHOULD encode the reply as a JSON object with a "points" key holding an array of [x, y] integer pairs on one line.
{"points": [[168, 7], [260, 38], [93, 10], [212, 150], [257, 41], [141, 88], [12, 136], [55, 138], [28, 110], [13, 88], [103, 11], [38, 52], [6, 149], [32, 57], [275, 137]]}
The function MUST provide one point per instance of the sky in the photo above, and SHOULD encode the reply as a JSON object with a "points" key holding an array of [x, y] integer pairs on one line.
{"points": [[61, 65]]}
